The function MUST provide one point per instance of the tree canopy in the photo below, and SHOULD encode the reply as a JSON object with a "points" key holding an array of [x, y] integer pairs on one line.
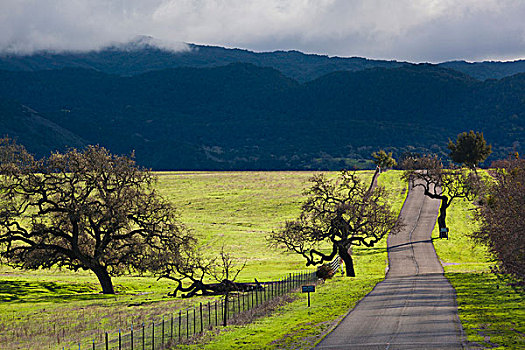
{"points": [[502, 217], [427, 171], [86, 210], [384, 160], [470, 149], [342, 212]]}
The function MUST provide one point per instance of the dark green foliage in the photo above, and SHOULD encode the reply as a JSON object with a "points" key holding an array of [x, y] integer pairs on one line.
{"points": [[384, 160], [470, 149], [31, 129], [140, 56], [246, 117], [487, 69]]}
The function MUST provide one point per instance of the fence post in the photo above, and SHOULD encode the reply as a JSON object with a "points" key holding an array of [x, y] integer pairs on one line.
{"points": [[162, 337], [209, 315], [153, 335], [180, 325], [194, 321], [107, 342], [216, 315], [187, 323], [171, 333], [202, 324], [143, 336], [119, 340], [94, 345], [131, 336], [225, 312]]}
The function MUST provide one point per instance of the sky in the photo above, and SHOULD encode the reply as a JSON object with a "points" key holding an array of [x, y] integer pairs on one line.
{"points": [[405, 30]]}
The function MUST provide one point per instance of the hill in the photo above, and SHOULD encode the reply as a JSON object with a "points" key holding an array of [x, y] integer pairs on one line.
{"points": [[142, 55], [242, 116], [34, 131]]}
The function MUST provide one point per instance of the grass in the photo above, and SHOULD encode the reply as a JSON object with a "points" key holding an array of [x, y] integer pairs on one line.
{"points": [[231, 209], [491, 312], [237, 210], [294, 325], [234, 209]]}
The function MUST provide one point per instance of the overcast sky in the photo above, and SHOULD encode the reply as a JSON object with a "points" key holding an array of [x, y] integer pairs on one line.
{"points": [[408, 30]]}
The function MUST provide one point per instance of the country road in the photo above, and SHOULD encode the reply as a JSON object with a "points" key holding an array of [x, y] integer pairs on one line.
{"points": [[414, 307]]}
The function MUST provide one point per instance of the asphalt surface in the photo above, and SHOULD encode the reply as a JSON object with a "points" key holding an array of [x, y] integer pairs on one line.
{"points": [[415, 306]]}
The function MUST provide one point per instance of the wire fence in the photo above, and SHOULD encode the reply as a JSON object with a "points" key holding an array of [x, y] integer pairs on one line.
{"points": [[182, 326]]}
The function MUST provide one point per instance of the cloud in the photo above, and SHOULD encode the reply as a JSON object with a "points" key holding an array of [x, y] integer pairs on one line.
{"points": [[424, 30]]}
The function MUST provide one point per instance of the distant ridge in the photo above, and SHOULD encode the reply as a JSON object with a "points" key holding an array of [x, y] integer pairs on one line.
{"points": [[40, 135], [147, 54], [246, 117]]}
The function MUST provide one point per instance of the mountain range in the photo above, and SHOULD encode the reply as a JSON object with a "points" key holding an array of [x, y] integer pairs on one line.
{"points": [[218, 109]]}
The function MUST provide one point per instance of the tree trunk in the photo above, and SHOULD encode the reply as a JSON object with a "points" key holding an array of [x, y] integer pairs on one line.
{"points": [[373, 183], [347, 258], [104, 279], [443, 213]]}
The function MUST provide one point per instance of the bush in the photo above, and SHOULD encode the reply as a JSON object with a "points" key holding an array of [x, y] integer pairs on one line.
{"points": [[325, 272]]}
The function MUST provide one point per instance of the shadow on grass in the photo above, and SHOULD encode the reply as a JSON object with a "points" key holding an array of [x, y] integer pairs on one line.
{"points": [[24, 291], [491, 311], [369, 251]]}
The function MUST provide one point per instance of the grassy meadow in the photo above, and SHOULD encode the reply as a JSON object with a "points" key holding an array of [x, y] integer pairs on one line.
{"points": [[55, 308], [491, 312], [236, 210]]}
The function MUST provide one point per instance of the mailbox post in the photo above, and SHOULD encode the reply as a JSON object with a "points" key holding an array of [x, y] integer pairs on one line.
{"points": [[309, 289]]}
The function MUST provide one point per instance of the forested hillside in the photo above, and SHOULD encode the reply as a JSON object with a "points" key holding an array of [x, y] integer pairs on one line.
{"points": [[142, 55], [242, 116]]}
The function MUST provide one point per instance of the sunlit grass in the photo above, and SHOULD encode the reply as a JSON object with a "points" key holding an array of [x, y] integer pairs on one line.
{"points": [[296, 326], [491, 312], [237, 210], [232, 209]]}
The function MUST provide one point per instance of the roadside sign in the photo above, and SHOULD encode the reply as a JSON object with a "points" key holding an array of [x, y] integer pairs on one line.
{"points": [[309, 289]]}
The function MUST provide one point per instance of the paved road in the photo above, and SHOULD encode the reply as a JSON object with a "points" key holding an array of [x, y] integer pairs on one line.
{"points": [[414, 307]]}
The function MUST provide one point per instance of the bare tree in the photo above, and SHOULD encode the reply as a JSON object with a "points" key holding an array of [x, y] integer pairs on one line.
{"points": [[444, 184], [84, 210], [342, 212], [196, 274], [502, 217]]}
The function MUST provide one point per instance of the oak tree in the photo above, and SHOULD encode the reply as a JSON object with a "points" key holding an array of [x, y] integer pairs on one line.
{"points": [[427, 171], [86, 210], [342, 212], [383, 160], [470, 149], [197, 274]]}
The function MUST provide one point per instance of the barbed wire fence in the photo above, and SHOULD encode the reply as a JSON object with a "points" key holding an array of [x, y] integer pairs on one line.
{"points": [[183, 326]]}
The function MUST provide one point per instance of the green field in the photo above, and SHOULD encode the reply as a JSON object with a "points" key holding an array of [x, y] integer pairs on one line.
{"points": [[491, 312], [237, 210], [231, 209]]}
